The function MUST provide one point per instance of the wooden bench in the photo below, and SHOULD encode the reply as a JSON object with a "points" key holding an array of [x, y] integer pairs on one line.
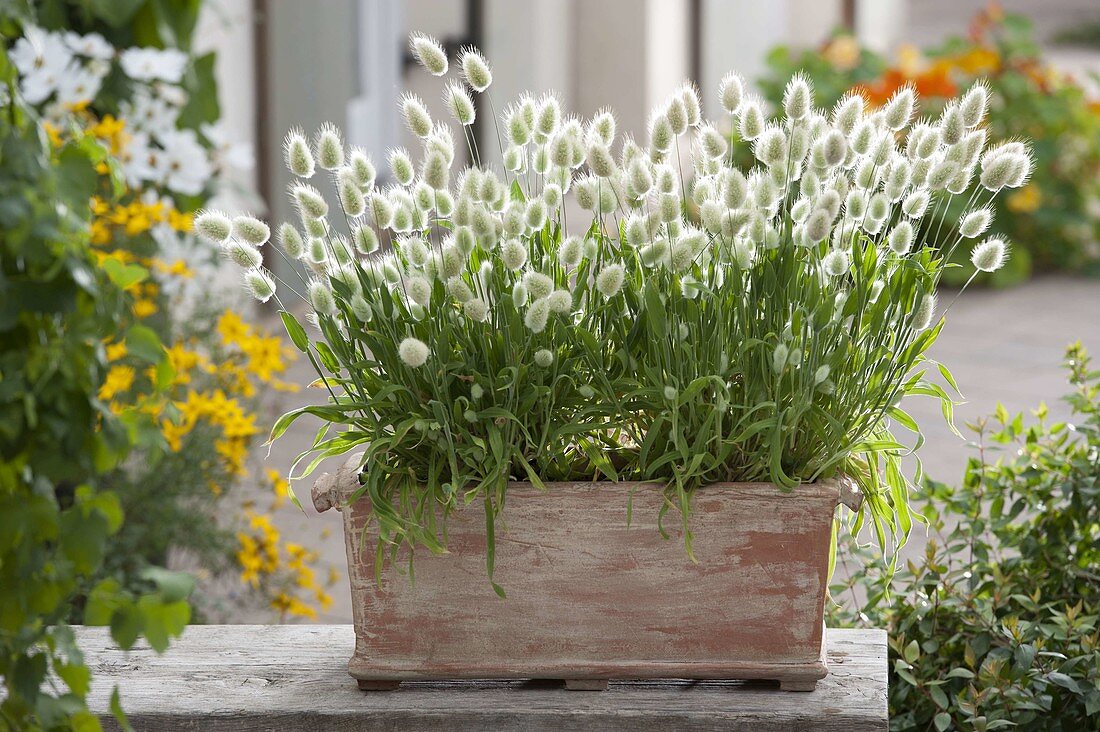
{"points": [[290, 677]]}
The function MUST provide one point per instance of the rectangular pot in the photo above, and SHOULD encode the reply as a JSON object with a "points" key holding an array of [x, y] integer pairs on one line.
{"points": [[590, 598]]}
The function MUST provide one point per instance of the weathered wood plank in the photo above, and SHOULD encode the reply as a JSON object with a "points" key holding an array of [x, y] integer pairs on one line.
{"points": [[251, 678]]}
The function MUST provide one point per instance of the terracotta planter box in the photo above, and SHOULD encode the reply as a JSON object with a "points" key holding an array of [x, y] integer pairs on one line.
{"points": [[591, 599]]}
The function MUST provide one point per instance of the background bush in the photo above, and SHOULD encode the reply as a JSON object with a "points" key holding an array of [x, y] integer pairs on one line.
{"points": [[56, 436], [996, 625]]}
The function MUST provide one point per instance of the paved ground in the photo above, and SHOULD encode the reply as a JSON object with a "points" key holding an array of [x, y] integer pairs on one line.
{"points": [[1001, 345]]}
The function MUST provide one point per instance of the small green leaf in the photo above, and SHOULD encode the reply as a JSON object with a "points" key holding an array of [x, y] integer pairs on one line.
{"points": [[295, 330], [942, 721]]}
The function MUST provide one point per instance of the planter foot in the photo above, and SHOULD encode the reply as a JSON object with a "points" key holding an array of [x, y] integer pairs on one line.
{"points": [[797, 684], [586, 684], [373, 685]]}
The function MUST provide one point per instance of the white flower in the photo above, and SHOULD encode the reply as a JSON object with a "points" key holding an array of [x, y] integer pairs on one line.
{"points": [[835, 263], [414, 352], [975, 223], [183, 162], [328, 147], [91, 45], [226, 154], [148, 64], [149, 113], [78, 86], [476, 309], [543, 358]]}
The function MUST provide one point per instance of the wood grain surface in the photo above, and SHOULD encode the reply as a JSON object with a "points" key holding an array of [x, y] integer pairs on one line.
{"points": [[247, 678]]}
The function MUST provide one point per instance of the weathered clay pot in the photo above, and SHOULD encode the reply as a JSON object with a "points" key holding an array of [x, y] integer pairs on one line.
{"points": [[591, 599]]}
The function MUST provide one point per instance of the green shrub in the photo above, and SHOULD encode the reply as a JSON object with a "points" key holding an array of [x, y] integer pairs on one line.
{"points": [[56, 437], [996, 625]]}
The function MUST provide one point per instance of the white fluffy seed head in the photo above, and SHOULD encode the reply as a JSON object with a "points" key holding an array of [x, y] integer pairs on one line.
{"points": [[848, 113], [543, 358], [989, 256], [974, 104], [291, 241], [351, 197], [401, 166], [514, 254], [731, 92], [537, 315], [476, 309], [242, 254], [560, 301], [538, 284], [320, 297], [416, 115], [519, 294], [915, 204], [419, 289], [296, 153], [214, 226], [259, 284], [975, 223], [329, 147], [309, 201], [365, 240], [429, 53], [413, 352], [901, 238], [251, 230], [797, 97], [922, 314], [570, 252], [752, 120], [436, 171], [362, 167], [460, 104], [899, 110], [381, 210], [835, 263], [660, 133], [677, 115], [610, 280], [713, 142], [475, 70], [361, 309], [549, 117]]}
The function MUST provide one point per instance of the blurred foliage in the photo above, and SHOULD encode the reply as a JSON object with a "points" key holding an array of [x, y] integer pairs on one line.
{"points": [[196, 416], [1054, 221], [996, 626], [56, 436]]}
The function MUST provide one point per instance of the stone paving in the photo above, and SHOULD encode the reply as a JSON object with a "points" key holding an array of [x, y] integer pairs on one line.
{"points": [[1002, 346]]}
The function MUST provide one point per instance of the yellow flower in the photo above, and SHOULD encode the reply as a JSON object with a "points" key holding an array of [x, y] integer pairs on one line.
{"points": [[174, 433], [180, 221], [53, 133], [280, 486], [842, 52], [116, 351], [1025, 200], [910, 59], [143, 307], [231, 328], [119, 379]]}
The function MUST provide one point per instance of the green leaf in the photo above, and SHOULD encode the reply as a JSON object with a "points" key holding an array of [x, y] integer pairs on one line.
{"points": [[295, 330], [144, 343], [942, 721], [123, 275], [173, 586], [119, 714]]}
